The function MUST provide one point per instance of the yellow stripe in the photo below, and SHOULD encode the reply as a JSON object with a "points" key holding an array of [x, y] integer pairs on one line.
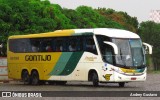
{"points": [[128, 70], [49, 34]]}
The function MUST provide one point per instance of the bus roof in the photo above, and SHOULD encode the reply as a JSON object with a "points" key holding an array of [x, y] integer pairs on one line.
{"points": [[110, 32]]}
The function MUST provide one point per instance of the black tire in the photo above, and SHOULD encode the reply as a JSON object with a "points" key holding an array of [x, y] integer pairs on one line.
{"points": [[95, 79], [35, 78], [26, 78], [121, 84]]}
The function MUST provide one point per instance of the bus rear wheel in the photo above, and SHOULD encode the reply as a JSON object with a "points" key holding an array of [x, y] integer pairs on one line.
{"points": [[95, 79], [25, 77], [35, 78]]}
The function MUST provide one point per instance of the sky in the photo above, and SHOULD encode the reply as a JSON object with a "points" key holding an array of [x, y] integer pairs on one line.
{"points": [[134, 8]]}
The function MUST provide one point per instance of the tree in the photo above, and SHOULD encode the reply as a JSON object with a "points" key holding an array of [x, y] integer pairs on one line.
{"points": [[150, 33], [62, 21], [122, 18]]}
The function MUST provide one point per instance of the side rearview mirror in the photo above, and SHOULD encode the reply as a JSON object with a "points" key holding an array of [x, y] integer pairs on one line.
{"points": [[148, 48], [113, 45]]}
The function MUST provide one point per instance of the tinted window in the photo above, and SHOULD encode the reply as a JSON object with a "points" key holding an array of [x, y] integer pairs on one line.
{"points": [[106, 50], [54, 44], [89, 45], [20, 45]]}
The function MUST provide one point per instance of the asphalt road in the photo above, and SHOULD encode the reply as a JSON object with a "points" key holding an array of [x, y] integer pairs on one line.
{"points": [[151, 84]]}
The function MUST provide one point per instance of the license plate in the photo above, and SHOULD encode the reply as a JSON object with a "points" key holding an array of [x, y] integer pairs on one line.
{"points": [[133, 78]]}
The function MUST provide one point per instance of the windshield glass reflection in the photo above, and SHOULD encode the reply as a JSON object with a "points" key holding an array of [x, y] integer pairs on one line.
{"points": [[130, 52]]}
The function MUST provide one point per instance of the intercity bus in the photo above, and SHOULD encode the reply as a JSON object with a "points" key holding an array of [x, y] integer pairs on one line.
{"points": [[100, 55]]}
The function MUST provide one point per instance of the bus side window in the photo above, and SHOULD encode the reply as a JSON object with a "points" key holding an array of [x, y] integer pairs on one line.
{"points": [[48, 44], [90, 45], [80, 41], [48, 47], [53, 44], [19, 45], [23, 47], [35, 45], [42, 46], [107, 53], [58, 45], [13, 47], [72, 44]]}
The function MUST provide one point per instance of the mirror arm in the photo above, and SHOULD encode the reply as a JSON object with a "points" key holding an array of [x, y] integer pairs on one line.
{"points": [[149, 46]]}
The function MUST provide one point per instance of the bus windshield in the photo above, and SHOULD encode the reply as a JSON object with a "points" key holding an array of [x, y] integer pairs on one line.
{"points": [[130, 52]]}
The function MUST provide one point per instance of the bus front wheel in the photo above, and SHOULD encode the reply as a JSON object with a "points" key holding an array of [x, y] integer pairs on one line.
{"points": [[26, 77], [35, 78], [95, 79]]}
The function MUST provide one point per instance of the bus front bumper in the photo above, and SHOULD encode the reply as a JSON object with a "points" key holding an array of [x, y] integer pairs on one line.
{"points": [[118, 77]]}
